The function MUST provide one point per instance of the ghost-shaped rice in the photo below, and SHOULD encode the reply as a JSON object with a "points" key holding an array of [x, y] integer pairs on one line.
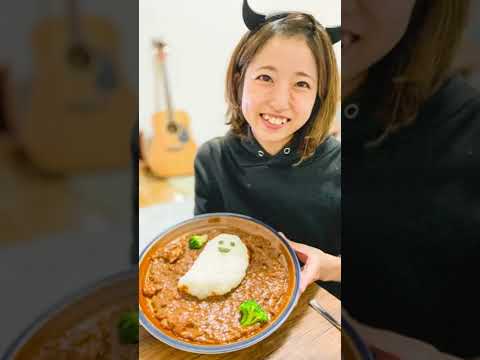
{"points": [[220, 267]]}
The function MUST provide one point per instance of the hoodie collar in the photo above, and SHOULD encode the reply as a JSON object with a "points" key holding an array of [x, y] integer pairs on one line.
{"points": [[360, 127], [287, 156]]}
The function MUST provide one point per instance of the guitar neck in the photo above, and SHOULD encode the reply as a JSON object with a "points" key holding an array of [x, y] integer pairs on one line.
{"points": [[162, 88]]}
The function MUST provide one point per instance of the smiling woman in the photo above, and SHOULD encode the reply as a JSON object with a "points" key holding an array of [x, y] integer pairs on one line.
{"points": [[278, 100], [278, 162], [281, 72]]}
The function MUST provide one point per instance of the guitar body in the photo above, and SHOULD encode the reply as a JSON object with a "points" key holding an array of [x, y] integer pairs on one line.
{"points": [[169, 153], [80, 116]]}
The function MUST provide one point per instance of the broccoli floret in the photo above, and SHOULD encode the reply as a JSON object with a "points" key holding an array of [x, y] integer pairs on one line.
{"points": [[252, 313], [197, 241], [128, 327]]}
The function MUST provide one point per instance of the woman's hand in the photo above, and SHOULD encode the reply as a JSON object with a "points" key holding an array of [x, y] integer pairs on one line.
{"points": [[318, 265]]}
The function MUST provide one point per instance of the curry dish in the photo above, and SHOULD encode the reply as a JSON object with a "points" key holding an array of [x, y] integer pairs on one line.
{"points": [[214, 320], [99, 323], [94, 338]]}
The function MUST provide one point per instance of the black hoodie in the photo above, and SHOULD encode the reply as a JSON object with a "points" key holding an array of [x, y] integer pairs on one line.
{"points": [[234, 174], [411, 220]]}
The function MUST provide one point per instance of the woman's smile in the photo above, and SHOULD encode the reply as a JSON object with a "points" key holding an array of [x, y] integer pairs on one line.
{"points": [[281, 84], [274, 122]]}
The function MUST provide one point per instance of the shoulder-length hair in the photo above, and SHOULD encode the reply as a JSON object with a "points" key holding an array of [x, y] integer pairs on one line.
{"points": [[417, 65], [323, 113]]}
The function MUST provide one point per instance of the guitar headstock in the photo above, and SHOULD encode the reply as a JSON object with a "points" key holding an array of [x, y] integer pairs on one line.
{"points": [[160, 48]]}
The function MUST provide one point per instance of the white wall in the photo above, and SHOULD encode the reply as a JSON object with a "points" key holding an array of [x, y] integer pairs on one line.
{"points": [[201, 36]]}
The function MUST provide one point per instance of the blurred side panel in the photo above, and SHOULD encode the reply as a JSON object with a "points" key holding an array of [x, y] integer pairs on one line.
{"points": [[68, 211], [410, 161]]}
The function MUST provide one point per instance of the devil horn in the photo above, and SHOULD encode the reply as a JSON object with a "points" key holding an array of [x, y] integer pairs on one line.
{"points": [[335, 34], [251, 18]]}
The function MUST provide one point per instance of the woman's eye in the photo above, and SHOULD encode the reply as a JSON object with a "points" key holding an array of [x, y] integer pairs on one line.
{"points": [[303, 84], [264, 77]]}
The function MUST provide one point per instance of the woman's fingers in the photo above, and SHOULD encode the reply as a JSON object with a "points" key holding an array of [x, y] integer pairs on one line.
{"points": [[300, 249], [302, 255], [317, 264], [307, 276]]}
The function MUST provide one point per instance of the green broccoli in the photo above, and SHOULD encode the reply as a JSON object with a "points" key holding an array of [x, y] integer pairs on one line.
{"points": [[197, 241], [128, 327], [252, 313]]}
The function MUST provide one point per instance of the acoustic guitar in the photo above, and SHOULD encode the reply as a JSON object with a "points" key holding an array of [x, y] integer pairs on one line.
{"points": [[82, 111], [170, 150]]}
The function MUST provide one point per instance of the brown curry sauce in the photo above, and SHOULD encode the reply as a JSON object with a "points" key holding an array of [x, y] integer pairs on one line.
{"points": [[86, 327], [215, 320]]}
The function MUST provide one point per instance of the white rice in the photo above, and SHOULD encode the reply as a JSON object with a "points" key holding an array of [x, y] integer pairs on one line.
{"points": [[215, 272]]}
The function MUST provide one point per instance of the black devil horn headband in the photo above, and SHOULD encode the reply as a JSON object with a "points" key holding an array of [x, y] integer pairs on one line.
{"points": [[254, 20]]}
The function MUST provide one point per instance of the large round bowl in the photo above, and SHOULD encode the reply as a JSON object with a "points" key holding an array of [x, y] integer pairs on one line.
{"points": [[220, 221], [74, 310]]}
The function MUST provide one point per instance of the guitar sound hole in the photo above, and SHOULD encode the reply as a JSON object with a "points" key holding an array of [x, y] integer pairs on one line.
{"points": [[172, 127], [79, 57]]}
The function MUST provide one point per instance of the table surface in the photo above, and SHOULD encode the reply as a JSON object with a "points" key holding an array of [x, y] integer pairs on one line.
{"points": [[153, 190], [305, 335]]}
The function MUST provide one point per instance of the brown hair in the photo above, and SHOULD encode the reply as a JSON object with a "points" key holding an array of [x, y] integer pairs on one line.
{"points": [[317, 39], [417, 65]]}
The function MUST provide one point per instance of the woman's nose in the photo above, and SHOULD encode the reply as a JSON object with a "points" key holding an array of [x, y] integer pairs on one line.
{"points": [[280, 98]]}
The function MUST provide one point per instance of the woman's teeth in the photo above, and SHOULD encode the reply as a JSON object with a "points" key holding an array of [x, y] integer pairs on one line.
{"points": [[274, 120]]}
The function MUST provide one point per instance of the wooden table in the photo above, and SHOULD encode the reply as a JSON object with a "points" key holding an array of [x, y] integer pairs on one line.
{"points": [[306, 335], [153, 190]]}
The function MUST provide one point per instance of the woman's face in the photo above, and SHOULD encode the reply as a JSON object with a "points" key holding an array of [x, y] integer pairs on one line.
{"points": [[279, 91], [370, 29]]}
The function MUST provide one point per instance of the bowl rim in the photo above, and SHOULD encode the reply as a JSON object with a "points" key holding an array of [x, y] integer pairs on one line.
{"points": [[356, 340], [220, 349], [61, 305]]}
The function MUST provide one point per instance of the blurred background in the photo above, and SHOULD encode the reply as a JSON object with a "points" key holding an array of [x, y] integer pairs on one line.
{"points": [[199, 38], [468, 60], [68, 104]]}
